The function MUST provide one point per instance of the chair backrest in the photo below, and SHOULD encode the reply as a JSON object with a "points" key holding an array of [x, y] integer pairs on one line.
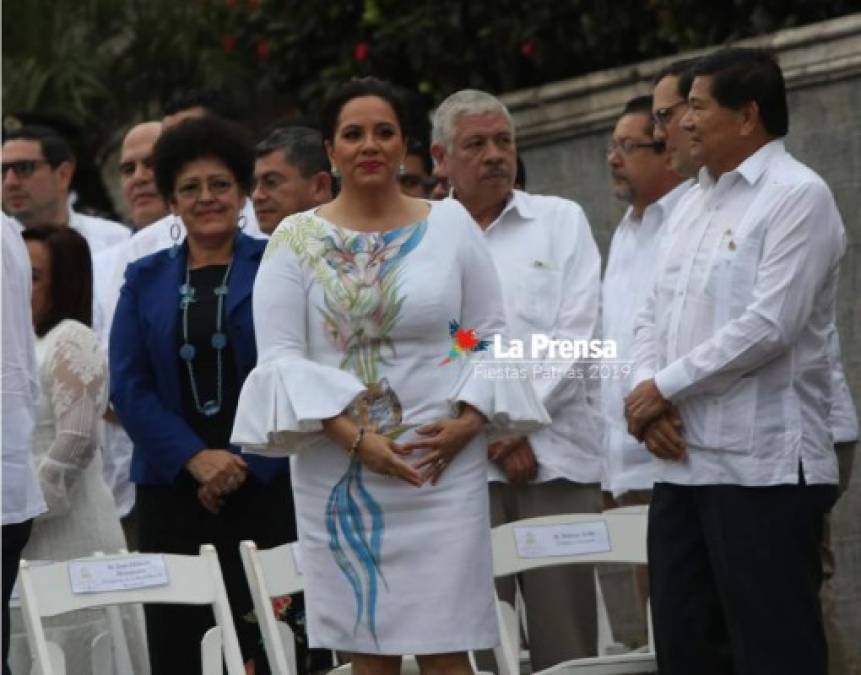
{"points": [[583, 538], [272, 573], [569, 539], [47, 590]]}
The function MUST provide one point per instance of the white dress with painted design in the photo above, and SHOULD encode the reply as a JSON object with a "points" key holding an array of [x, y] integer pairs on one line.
{"points": [[360, 323]]}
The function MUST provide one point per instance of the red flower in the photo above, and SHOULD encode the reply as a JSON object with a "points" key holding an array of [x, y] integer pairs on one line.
{"points": [[228, 43], [528, 48], [253, 4], [360, 51], [280, 605], [231, 4], [465, 339], [263, 49]]}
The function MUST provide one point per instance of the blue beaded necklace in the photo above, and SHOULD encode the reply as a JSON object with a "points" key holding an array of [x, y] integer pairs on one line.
{"points": [[218, 340]]}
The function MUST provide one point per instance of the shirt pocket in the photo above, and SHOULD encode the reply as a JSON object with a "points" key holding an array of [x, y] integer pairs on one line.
{"points": [[539, 288], [723, 421]]}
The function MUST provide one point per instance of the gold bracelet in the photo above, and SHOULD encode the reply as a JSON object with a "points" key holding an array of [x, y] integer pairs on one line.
{"points": [[354, 448]]}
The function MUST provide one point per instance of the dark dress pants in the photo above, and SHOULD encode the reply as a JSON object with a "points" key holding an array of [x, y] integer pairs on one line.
{"points": [[735, 574], [15, 538], [171, 520]]}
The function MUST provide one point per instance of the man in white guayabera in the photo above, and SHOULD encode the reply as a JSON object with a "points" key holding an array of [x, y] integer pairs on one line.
{"points": [[734, 335], [549, 267], [643, 177]]}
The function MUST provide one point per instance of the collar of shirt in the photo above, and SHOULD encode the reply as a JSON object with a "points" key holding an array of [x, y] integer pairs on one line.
{"points": [[750, 169], [517, 202], [657, 212]]}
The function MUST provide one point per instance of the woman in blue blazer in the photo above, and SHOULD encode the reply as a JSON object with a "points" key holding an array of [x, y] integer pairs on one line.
{"points": [[182, 344]]}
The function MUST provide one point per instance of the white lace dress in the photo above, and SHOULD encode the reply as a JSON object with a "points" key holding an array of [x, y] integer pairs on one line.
{"points": [[81, 518]]}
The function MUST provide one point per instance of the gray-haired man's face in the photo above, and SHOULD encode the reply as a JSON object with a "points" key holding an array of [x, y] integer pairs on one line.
{"points": [[482, 161]]}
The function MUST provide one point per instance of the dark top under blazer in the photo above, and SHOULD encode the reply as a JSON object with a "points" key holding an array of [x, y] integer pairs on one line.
{"points": [[144, 369]]}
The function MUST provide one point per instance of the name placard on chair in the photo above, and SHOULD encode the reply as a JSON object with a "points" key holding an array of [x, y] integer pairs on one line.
{"points": [[117, 574], [548, 541]]}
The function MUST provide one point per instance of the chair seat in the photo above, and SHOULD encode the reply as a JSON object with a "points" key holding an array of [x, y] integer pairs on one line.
{"points": [[409, 666], [632, 663]]}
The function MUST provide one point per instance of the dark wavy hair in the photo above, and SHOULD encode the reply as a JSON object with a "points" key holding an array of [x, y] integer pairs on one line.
{"points": [[357, 88], [71, 275], [201, 138]]}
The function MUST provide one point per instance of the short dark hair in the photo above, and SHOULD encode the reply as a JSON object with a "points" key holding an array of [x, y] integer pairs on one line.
{"points": [[641, 105], [71, 275], [683, 70], [420, 150], [740, 76], [201, 138], [302, 147], [356, 88], [55, 148], [214, 102]]}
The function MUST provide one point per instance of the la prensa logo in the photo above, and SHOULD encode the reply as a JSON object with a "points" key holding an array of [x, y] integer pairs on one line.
{"points": [[463, 341]]}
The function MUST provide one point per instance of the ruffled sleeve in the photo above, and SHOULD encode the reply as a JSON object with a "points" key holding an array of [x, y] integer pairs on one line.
{"points": [[286, 397], [510, 403]]}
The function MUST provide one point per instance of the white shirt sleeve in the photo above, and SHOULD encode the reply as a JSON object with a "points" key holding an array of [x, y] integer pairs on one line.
{"points": [[798, 256]]}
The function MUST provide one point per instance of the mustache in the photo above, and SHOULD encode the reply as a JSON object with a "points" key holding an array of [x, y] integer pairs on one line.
{"points": [[496, 172]]}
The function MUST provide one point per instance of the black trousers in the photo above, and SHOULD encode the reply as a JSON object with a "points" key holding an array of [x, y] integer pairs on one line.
{"points": [[735, 575], [14, 540], [171, 520]]}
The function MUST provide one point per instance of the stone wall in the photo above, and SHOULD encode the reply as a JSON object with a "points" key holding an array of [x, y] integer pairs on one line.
{"points": [[564, 127]]}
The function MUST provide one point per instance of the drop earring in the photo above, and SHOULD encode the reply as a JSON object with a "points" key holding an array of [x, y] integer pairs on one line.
{"points": [[175, 234]]}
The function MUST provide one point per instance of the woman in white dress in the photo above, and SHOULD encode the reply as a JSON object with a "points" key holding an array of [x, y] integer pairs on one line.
{"points": [[373, 316], [81, 517]]}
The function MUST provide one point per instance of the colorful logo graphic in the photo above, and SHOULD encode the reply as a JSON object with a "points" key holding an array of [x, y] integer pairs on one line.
{"points": [[463, 340]]}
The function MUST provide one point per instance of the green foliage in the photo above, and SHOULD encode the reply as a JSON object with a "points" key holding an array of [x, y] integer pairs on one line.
{"points": [[107, 63]]}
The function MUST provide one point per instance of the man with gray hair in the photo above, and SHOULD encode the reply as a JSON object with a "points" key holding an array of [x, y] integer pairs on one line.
{"points": [[291, 175], [549, 269]]}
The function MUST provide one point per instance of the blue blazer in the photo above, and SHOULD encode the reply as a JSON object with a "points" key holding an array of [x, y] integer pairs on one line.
{"points": [[145, 389]]}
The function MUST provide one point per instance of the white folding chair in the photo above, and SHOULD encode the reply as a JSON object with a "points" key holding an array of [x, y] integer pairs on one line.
{"points": [[621, 539], [272, 573], [46, 590]]}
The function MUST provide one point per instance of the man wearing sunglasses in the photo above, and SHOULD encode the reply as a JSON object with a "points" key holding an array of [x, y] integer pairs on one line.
{"points": [[38, 166]]}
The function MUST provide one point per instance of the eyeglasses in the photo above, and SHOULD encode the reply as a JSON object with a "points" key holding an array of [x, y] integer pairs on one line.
{"points": [[128, 168], [23, 168], [662, 116], [194, 188], [628, 146]]}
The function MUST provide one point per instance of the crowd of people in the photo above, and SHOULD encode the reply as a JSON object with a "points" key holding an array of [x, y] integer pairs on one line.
{"points": [[291, 341]]}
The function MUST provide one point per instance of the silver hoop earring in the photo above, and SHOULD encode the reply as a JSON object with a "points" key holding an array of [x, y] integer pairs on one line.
{"points": [[335, 172], [402, 170], [175, 234], [241, 222]]}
